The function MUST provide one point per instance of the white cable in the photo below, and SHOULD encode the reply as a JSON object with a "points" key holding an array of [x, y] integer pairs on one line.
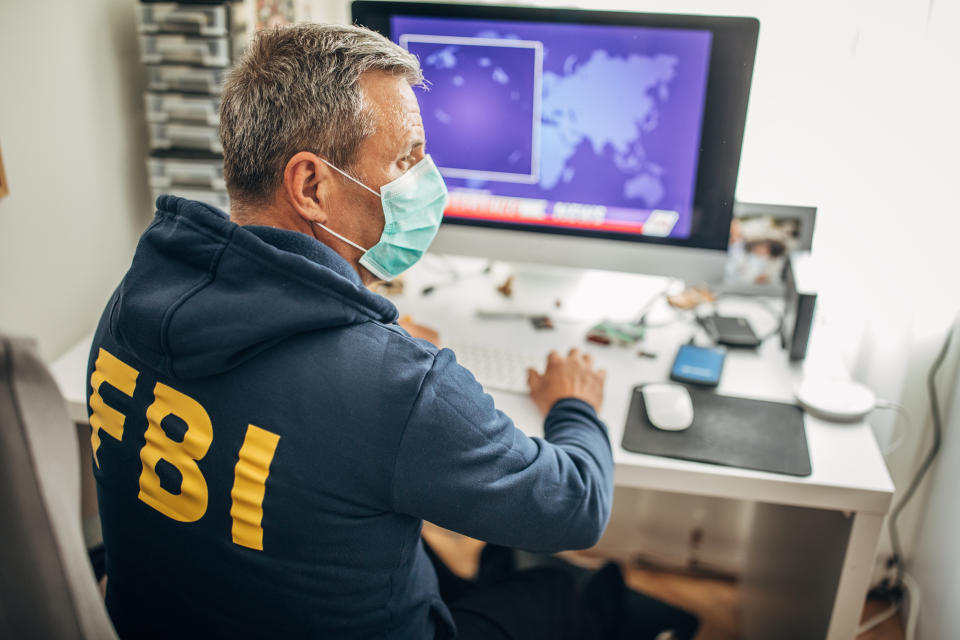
{"points": [[913, 589], [912, 597], [879, 619], [442, 262], [900, 409], [652, 302]]}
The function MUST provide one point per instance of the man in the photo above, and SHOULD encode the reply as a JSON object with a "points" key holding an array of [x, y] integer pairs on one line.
{"points": [[267, 439]]}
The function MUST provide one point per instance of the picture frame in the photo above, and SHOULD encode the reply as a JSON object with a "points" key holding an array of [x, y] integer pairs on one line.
{"points": [[4, 187], [761, 238]]}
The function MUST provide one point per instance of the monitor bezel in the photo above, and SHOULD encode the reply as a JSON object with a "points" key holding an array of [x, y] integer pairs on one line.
{"points": [[733, 51]]}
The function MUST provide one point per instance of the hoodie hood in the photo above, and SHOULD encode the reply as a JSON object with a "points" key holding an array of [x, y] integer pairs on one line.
{"points": [[204, 294]]}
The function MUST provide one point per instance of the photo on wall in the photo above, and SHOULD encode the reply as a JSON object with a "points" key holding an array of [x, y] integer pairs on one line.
{"points": [[761, 238]]}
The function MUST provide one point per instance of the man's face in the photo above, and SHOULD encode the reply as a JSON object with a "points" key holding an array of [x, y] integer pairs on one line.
{"points": [[391, 151]]}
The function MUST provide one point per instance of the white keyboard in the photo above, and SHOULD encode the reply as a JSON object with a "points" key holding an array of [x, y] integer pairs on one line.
{"points": [[497, 368]]}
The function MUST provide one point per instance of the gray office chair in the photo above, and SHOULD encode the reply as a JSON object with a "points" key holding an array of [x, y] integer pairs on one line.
{"points": [[47, 587]]}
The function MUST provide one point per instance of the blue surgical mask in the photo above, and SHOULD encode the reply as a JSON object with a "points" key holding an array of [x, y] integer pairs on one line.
{"points": [[412, 210]]}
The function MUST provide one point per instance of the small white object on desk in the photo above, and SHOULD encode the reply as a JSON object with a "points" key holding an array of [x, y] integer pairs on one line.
{"points": [[668, 406], [835, 399]]}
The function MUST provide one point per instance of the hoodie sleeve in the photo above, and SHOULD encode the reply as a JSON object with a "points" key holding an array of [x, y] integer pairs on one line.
{"points": [[463, 465]]}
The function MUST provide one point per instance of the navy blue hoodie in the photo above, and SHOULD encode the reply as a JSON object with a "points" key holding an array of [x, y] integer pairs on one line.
{"points": [[267, 442]]}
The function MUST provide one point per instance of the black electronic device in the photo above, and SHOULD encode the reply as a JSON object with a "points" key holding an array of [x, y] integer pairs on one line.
{"points": [[732, 331], [800, 301]]}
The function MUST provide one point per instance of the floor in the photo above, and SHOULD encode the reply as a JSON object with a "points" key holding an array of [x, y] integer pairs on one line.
{"points": [[714, 600]]}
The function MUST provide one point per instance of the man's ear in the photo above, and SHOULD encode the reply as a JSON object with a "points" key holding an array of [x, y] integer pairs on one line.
{"points": [[306, 180]]}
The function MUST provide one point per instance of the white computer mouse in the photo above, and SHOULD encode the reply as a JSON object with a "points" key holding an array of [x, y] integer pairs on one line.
{"points": [[668, 406]]}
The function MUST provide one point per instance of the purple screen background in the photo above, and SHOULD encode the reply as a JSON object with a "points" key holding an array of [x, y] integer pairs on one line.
{"points": [[490, 126], [506, 147]]}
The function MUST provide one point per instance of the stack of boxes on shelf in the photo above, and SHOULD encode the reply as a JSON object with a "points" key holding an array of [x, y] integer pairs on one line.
{"points": [[188, 48]]}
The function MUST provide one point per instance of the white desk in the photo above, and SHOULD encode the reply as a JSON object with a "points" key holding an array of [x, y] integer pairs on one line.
{"points": [[813, 539]]}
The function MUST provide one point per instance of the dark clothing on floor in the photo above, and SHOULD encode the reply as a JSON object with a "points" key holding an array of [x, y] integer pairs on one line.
{"points": [[504, 604], [551, 599]]}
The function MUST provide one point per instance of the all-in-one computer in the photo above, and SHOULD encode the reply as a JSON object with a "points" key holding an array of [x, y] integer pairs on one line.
{"points": [[595, 139]]}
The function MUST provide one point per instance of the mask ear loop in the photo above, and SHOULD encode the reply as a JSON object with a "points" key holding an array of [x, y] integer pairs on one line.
{"points": [[328, 229], [334, 233], [347, 175]]}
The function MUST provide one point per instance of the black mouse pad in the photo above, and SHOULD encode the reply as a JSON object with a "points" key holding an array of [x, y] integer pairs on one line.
{"points": [[735, 432]]}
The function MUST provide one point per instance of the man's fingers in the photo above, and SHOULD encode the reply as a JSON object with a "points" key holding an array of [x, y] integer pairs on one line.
{"points": [[534, 381], [553, 357], [533, 377]]}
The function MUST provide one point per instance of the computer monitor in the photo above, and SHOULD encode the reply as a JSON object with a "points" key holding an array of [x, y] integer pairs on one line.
{"points": [[592, 139]]}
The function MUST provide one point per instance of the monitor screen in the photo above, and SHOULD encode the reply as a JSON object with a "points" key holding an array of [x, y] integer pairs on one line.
{"points": [[587, 124], [574, 126]]}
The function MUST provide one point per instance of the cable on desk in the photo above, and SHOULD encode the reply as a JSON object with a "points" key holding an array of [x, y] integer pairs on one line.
{"points": [[455, 274], [646, 308], [775, 313], [900, 409]]}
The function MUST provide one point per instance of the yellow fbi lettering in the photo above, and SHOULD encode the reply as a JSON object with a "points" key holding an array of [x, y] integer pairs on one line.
{"points": [[249, 486], [121, 377], [190, 504]]}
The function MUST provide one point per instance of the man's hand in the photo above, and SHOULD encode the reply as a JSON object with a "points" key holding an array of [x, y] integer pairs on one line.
{"points": [[419, 331], [570, 377]]}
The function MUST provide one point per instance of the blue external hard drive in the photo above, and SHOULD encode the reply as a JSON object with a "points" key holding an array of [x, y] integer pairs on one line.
{"points": [[698, 365]]}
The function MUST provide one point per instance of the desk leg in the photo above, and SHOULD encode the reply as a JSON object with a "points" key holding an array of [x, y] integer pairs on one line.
{"points": [[807, 573], [855, 576], [795, 559]]}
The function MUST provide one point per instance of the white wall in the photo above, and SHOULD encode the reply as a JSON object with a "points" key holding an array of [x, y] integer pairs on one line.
{"points": [[74, 141]]}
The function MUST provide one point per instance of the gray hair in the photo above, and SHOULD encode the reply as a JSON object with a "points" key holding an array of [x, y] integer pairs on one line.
{"points": [[296, 89]]}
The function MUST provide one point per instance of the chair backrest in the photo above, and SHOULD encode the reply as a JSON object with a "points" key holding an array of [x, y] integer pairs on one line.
{"points": [[47, 587]]}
